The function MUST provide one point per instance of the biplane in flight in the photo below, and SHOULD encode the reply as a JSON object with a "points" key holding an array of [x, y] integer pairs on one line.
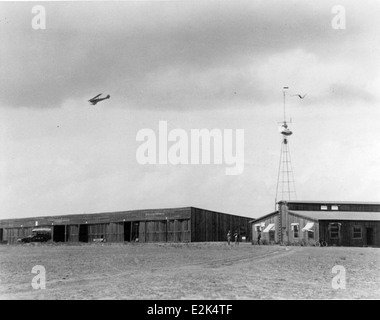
{"points": [[97, 99]]}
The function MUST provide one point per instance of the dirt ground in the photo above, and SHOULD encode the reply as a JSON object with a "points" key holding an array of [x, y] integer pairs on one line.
{"points": [[187, 271]]}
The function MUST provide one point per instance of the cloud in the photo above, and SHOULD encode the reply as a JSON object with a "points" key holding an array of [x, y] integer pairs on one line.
{"points": [[158, 55]]}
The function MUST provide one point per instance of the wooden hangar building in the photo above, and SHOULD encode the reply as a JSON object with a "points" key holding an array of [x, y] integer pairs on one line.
{"points": [[336, 223], [187, 224]]}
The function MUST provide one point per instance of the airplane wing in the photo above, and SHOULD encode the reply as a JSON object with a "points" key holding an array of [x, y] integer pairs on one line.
{"points": [[95, 97]]}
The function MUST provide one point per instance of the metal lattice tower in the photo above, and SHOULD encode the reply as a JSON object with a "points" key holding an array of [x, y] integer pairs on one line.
{"points": [[285, 189]]}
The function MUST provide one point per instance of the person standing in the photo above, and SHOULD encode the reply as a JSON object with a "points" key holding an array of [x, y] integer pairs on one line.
{"points": [[236, 238], [229, 237], [258, 237]]}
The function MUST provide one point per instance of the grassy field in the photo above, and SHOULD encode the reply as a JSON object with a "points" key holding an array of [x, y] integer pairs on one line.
{"points": [[187, 271]]}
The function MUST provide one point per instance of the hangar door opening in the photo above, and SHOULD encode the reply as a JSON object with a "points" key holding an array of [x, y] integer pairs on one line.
{"points": [[1, 234], [59, 233], [127, 230], [135, 231], [83, 233], [369, 236]]}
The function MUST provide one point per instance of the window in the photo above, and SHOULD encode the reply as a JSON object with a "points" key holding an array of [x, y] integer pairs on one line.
{"points": [[185, 224], [357, 232], [271, 235], [295, 230], [323, 207], [334, 207], [334, 230], [310, 234]]}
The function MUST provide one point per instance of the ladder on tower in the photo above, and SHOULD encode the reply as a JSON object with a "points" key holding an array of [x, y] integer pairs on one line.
{"points": [[285, 180], [279, 226]]}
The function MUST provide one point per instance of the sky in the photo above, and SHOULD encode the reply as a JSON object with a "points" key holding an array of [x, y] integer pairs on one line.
{"points": [[196, 65]]}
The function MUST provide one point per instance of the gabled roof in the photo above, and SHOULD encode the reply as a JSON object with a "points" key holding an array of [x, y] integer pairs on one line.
{"points": [[263, 217]]}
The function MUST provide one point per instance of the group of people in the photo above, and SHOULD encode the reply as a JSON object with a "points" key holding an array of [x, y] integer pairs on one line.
{"points": [[229, 237], [236, 236]]}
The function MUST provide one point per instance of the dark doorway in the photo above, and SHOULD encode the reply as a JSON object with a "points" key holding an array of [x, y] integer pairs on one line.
{"points": [[1, 234], [127, 231], [271, 236], [135, 231], [369, 237], [83, 233], [59, 234]]}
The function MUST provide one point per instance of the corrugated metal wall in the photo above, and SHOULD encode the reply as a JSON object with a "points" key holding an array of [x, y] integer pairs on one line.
{"points": [[177, 230], [72, 233], [155, 231], [12, 234], [213, 226], [97, 231], [115, 232]]}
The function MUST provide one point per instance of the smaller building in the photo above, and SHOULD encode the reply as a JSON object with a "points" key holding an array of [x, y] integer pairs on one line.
{"points": [[311, 222]]}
